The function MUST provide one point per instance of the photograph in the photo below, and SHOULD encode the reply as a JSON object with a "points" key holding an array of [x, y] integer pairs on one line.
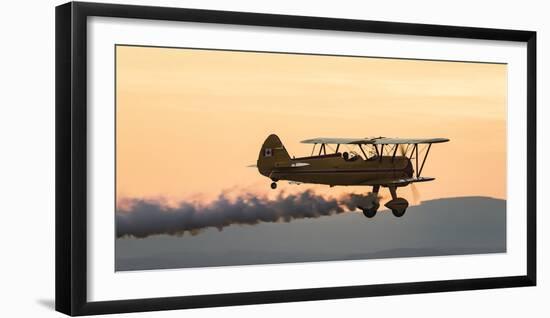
{"points": [[273, 159], [245, 158]]}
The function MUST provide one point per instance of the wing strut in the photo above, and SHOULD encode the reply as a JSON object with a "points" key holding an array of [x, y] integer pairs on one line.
{"points": [[394, 152], [363, 151], [423, 161], [416, 158]]}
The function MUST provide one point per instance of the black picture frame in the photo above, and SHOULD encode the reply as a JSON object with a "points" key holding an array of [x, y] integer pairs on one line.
{"points": [[71, 157]]}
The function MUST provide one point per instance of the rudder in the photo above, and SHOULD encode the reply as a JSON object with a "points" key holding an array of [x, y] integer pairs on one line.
{"points": [[271, 154]]}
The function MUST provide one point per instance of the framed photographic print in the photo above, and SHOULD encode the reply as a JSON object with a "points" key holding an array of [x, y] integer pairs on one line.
{"points": [[228, 158]]}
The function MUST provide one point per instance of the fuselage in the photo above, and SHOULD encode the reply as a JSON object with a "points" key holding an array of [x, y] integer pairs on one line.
{"points": [[333, 169]]}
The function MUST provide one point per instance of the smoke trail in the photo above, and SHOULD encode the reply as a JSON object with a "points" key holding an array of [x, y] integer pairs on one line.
{"points": [[141, 218]]}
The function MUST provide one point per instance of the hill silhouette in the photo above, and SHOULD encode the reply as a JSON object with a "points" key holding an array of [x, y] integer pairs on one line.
{"points": [[449, 226]]}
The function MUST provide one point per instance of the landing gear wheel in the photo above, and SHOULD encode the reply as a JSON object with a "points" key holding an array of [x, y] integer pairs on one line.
{"points": [[370, 212], [398, 206], [398, 213], [273, 185]]}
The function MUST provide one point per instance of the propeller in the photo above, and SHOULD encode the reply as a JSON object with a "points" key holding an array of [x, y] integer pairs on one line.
{"points": [[415, 194], [414, 190]]}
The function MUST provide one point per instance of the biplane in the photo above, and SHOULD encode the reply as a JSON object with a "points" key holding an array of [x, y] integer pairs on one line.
{"points": [[376, 161]]}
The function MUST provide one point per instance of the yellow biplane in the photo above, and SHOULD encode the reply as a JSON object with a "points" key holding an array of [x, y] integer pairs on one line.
{"points": [[376, 162]]}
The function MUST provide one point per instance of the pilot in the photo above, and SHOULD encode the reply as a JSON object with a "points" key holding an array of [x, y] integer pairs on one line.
{"points": [[347, 156]]}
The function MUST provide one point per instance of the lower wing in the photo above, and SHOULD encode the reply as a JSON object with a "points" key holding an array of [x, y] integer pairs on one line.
{"points": [[398, 182]]}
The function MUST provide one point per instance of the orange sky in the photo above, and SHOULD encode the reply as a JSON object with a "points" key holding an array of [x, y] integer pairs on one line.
{"points": [[190, 121]]}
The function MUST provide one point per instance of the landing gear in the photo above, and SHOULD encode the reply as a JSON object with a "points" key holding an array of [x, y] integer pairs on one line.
{"points": [[400, 211], [398, 206], [273, 185], [370, 211]]}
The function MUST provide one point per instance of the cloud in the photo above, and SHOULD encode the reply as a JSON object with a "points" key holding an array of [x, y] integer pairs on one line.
{"points": [[143, 217]]}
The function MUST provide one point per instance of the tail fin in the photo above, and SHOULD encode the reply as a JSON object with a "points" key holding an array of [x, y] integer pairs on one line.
{"points": [[272, 154]]}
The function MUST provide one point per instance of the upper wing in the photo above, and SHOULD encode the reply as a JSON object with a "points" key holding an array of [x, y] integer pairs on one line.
{"points": [[374, 141], [342, 141], [399, 141]]}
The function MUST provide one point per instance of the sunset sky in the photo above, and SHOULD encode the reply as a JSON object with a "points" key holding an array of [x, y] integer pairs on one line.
{"points": [[189, 121]]}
